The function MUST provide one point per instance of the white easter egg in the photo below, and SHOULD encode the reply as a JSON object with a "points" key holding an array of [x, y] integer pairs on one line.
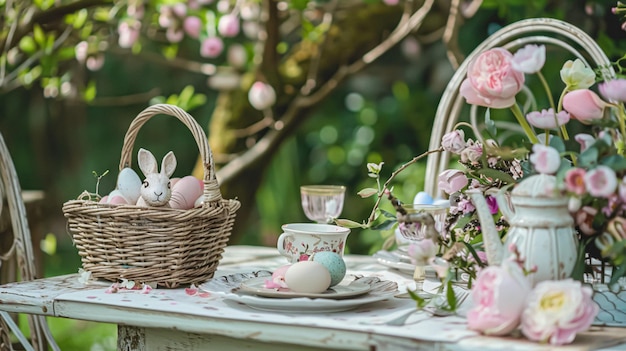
{"points": [[129, 184], [307, 277], [185, 192]]}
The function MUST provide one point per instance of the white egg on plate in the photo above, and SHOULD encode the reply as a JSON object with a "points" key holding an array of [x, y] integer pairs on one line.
{"points": [[307, 277]]}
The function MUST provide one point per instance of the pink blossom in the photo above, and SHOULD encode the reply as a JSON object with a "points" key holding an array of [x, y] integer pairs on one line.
{"points": [[81, 50], [557, 310], [492, 203], [547, 119], [95, 62], [491, 80], [454, 141], [530, 58], [261, 96], [585, 141], [174, 35], [179, 9], [228, 26], [601, 181], [465, 206], [575, 181], [192, 26], [166, 16], [584, 219], [237, 55], [211, 47], [499, 294], [472, 152], [452, 181], [545, 159], [421, 251], [584, 105], [613, 90], [128, 33]]}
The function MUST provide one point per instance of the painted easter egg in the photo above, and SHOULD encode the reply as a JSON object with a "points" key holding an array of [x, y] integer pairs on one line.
{"points": [[307, 277], [185, 192], [333, 262]]}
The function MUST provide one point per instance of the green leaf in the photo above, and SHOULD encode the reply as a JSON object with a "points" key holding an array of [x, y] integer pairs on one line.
{"points": [[474, 254], [616, 162], [39, 35], [367, 192], [387, 214], [450, 295], [495, 174], [589, 157], [196, 101], [80, 17], [385, 225], [421, 302], [28, 45], [557, 143], [348, 223], [90, 91]]}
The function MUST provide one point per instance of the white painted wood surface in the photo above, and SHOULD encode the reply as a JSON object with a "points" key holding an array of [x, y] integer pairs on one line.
{"points": [[171, 319]]}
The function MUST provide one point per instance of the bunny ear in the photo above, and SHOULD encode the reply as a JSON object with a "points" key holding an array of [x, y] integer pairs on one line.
{"points": [[147, 162], [168, 166]]}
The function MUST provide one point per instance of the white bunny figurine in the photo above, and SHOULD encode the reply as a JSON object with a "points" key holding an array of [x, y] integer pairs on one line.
{"points": [[156, 189]]}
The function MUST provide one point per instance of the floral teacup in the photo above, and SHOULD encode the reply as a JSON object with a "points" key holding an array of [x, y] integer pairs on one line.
{"points": [[300, 240]]}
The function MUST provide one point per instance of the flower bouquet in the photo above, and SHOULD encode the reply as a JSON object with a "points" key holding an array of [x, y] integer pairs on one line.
{"points": [[578, 139]]}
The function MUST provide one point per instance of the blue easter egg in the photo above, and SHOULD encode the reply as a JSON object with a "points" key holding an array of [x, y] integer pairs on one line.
{"points": [[334, 263], [422, 198]]}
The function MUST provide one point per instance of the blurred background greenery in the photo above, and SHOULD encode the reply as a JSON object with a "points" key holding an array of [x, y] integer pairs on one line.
{"points": [[381, 114]]}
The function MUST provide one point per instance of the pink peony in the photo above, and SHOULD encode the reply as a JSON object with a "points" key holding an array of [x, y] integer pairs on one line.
{"points": [[454, 141], [211, 47], [530, 58], [547, 119], [545, 159], [499, 295], [584, 105], [575, 181], [613, 90], [557, 310], [601, 181], [491, 80], [452, 181]]}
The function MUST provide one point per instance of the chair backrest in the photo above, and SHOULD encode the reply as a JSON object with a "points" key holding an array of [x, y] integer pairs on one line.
{"points": [[21, 250], [548, 31]]}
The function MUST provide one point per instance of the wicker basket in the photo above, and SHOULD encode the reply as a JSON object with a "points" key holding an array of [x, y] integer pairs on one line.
{"points": [[168, 247]]}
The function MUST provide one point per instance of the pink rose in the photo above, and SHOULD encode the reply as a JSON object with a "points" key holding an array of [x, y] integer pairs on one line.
{"points": [[613, 90], [545, 159], [530, 58], [557, 310], [491, 80], [601, 181], [499, 295], [547, 119], [211, 47], [575, 181], [454, 141], [452, 181], [584, 219], [584, 105]]}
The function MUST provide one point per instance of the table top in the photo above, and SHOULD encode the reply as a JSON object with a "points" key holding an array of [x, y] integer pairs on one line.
{"points": [[205, 312]]}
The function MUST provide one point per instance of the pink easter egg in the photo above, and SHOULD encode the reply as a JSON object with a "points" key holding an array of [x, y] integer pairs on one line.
{"points": [[185, 192], [104, 199], [117, 200], [173, 181]]}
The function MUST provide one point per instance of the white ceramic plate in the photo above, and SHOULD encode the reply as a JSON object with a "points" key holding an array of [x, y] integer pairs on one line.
{"points": [[228, 288], [256, 286]]}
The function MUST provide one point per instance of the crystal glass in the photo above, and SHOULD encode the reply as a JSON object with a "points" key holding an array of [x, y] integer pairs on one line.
{"points": [[322, 203], [416, 230]]}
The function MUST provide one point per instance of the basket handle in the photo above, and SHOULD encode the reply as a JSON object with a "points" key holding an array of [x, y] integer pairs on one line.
{"points": [[211, 187]]}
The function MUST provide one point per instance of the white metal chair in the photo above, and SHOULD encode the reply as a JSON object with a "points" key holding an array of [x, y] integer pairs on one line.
{"points": [[21, 251], [548, 31]]}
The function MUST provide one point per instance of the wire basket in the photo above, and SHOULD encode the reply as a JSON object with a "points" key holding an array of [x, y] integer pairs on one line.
{"points": [[163, 246]]}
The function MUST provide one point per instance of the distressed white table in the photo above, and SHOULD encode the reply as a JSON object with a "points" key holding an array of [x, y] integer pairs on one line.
{"points": [[174, 319]]}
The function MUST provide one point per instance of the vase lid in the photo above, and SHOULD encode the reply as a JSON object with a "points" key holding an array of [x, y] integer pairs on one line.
{"points": [[538, 185]]}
